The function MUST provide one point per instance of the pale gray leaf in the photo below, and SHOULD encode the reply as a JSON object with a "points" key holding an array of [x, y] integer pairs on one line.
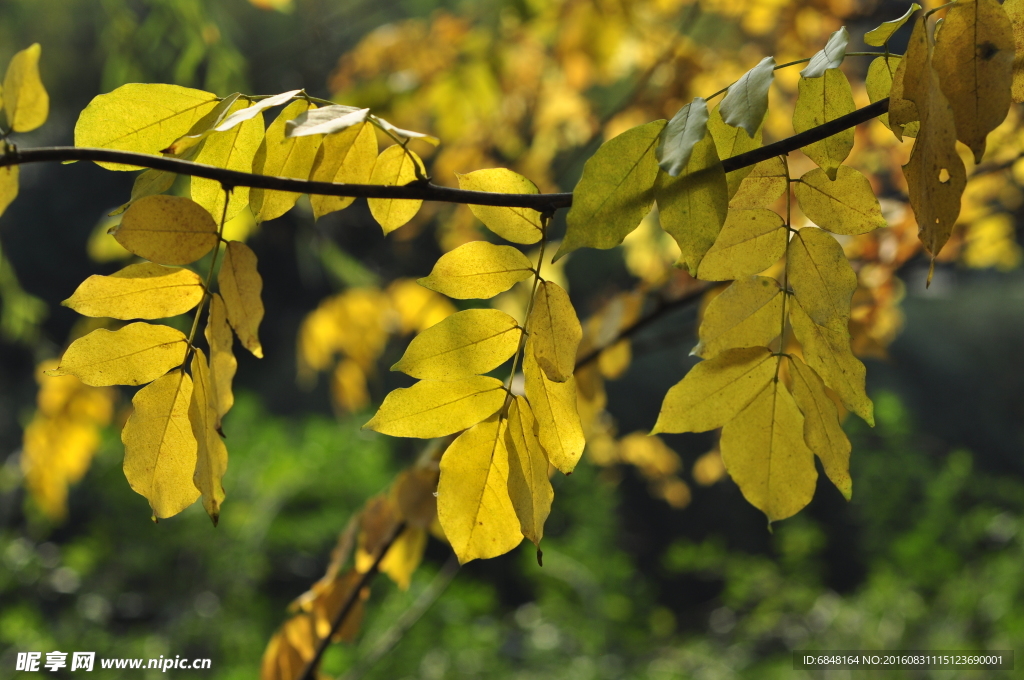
{"points": [[251, 112], [686, 128], [746, 102], [830, 56], [408, 134], [326, 120]]}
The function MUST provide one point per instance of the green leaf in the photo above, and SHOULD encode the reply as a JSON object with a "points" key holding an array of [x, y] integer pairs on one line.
{"points": [[821, 276], [747, 314], [750, 242], [820, 100], [686, 129], [693, 206], [822, 431], [746, 102], [845, 206], [766, 183], [829, 57], [877, 37], [732, 141], [615, 191]]}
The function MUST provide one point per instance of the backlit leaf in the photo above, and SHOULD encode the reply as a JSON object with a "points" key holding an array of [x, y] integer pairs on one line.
{"points": [[555, 331], [974, 54], [8, 186], [714, 391], [233, 149], [133, 355], [467, 343], [746, 102], [211, 454], [692, 207], [478, 269], [615, 191], [820, 100], [764, 452], [254, 109], [827, 350], [554, 408], [241, 286], [394, 167], [141, 117], [282, 156], [528, 485], [326, 120], [766, 183], [167, 230], [407, 134], [139, 291], [204, 127], [434, 408], [1015, 12], [26, 102], [845, 205], [747, 314], [877, 37], [822, 431], [147, 183], [828, 57], [879, 84], [473, 502], [345, 158], [821, 276], [159, 447], [519, 225], [404, 556], [750, 242], [935, 174], [903, 118], [222, 360], [687, 127], [732, 141]]}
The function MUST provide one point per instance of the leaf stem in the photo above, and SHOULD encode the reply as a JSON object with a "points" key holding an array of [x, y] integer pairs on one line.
{"points": [[529, 309], [785, 271]]}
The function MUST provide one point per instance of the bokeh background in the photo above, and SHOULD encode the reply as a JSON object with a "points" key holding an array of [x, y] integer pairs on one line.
{"points": [[654, 565]]}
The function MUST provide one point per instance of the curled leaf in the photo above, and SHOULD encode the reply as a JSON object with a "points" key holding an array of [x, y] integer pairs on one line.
{"points": [[685, 129], [828, 57], [746, 102]]}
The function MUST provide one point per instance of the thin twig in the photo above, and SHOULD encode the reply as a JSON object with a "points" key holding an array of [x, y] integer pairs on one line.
{"points": [[309, 672], [423, 191], [391, 637]]}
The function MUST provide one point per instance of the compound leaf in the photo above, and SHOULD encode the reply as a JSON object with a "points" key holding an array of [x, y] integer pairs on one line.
{"points": [[159, 447], [133, 355], [434, 408]]}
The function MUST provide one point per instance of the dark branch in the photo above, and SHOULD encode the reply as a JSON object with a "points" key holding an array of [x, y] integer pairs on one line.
{"points": [[423, 191]]}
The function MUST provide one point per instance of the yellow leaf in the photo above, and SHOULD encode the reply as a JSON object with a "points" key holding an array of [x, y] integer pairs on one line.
{"points": [[233, 149], [478, 269], [147, 183], [141, 117], [615, 191], [348, 386], [555, 331], [714, 391], [877, 37], [693, 206], [404, 555], [133, 355], [222, 361], [473, 503], [974, 54], [750, 242], [732, 141], [826, 349], [822, 431], [418, 308], [139, 291], [282, 156], [159, 447], [766, 183], [184, 146], [519, 225], [747, 314], [25, 100], [843, 205], [764, 452], [8, 186], [820, 100], [1015, 11], [880, 84], [467, 343], [528, 485], [241, 286], [935, 174], [211, 454], [344, 158], [554, 408], [821, 276], [167, 229], [434, 408], [396, 166], [902, 116]]}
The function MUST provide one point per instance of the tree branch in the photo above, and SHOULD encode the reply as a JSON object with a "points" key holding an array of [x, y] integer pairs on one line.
{"points": [[419, 190]]}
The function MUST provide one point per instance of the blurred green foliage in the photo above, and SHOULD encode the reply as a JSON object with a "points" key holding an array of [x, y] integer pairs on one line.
{"points": [[941, 541]]}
